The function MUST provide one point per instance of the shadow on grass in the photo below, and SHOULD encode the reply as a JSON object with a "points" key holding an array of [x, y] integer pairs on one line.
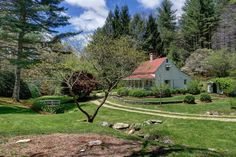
{"points": [[14, 110], [178, 149]]}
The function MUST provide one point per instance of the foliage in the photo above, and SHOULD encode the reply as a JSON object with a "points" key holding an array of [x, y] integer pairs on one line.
{"points": [[162, 90], [139, 93], [166, 23], [198, 22], [152, 39], [6, 86], [83, 84], [23, 28], [227, 85], [189, 99], [179, 91], [54, 109], [218, 63], [123, 91], [205, 97], [34, 90], [193, 87]]}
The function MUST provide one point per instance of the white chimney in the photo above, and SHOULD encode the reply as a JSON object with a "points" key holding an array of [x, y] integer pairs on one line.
{"points": [[151, 56]]}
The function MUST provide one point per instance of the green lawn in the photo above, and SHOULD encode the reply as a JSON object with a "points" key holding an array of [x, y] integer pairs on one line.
{"points": [[223, 106], [190, 137]]}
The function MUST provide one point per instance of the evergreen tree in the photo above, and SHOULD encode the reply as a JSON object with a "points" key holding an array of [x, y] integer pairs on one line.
{"points": [[116, 23], [137, 29], [152, 39], [125, 20], [198, 22], [108, 27], [167, 23], [24, 22]]}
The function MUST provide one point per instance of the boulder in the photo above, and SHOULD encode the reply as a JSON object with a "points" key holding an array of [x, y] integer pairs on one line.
{"points": [[23, 141], [95, 143], [131, 131], [106, 124], [153, 121], [120, 126]]}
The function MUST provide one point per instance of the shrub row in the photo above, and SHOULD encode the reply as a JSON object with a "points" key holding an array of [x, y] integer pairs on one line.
{"points": [[227, 85]]}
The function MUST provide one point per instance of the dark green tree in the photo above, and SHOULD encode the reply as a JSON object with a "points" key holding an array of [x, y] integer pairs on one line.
{"points": [[198, 23], [25, 23], [124, 20], [152, 40], [116, 23], [137, 29], [167, 23], [108, 27]]}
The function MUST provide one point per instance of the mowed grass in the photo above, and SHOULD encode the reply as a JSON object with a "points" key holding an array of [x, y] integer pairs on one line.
{"points": [[190, 137], [220, 105]]}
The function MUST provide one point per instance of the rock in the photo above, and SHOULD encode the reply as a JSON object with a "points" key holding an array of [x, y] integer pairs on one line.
{"points": [[212, 149], [136, 126], [166, 140], [153, 121], [106, 124], [95, 143], [120, 126], [23, 141], [150, 137], [212, 113], [131, 131]]}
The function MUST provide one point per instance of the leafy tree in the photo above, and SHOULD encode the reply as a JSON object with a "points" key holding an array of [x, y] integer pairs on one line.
{"points": [[25, 22], [198, 22], [112, 60], [152, 39], [218, 63], [166, 23]]}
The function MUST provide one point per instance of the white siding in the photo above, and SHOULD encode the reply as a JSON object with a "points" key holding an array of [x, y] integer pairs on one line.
{"points": [[174, 75]]}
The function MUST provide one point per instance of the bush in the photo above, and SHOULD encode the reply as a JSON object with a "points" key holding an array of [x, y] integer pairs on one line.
{"points": [[54, 109], [189, 99], [84, 84], [139, 93], [193, 87], [161, 91], [179, 91], [227, 85], [7, 80], [205, 98], [123, 91]]}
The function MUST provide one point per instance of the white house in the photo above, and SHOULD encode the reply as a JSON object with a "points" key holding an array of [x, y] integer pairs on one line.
{"points": [[155, 72]]}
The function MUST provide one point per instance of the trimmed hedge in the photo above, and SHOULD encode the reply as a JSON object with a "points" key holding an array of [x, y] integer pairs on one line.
{"points": [[205, 97], [189, 99], [123, 91], [161, 91], [139, 93]]}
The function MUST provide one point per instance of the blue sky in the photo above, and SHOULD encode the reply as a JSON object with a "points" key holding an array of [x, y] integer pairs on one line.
{"points": [[88, 15]]}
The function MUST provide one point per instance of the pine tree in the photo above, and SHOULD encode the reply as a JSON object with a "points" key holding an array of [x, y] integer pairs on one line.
{"points": [[24, 22], [152, 39], [124, 20], [108, 27], [116, 23], [167, 23], [198, 22], [137, 29]]}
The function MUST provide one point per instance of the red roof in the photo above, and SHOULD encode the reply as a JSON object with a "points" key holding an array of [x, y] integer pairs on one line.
{"points": [[147, 69]]}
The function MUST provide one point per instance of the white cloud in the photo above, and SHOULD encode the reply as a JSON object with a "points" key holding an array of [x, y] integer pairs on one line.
{"points": [[150, 4], [153, 4], [94, 15]]}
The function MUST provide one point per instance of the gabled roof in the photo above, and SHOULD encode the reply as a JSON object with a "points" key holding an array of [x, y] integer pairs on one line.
{"points": [[147, 69]]}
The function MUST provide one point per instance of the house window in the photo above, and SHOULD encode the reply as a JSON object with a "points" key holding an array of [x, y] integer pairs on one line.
{"points": [[185, 82], [167, 68]]}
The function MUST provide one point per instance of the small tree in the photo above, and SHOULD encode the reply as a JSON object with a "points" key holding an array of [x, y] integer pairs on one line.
{"points": [[112, 60]]}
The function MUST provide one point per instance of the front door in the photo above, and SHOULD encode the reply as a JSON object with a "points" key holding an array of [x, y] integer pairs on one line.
{"points": [[214, 86]]}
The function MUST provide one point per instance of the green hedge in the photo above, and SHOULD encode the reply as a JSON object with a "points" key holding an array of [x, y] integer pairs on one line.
{"points": [[205, 97], [189, 99], [193, 87], [139, 93]]}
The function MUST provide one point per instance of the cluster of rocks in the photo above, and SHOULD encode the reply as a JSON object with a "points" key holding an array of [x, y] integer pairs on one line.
{"points": [[212, 113], [131, 129]]}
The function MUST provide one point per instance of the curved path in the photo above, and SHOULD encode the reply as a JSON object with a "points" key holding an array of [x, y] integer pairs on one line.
{"points": [[160, 113]]}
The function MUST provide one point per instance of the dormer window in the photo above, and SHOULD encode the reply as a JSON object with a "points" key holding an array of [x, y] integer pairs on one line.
{"points": [[167, 67]]}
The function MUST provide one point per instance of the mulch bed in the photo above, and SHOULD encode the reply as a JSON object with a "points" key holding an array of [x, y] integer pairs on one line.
{"points": [[68, 145]]}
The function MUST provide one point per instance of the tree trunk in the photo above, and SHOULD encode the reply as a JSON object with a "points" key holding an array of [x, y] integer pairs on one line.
{"points": [[16, 91]]}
